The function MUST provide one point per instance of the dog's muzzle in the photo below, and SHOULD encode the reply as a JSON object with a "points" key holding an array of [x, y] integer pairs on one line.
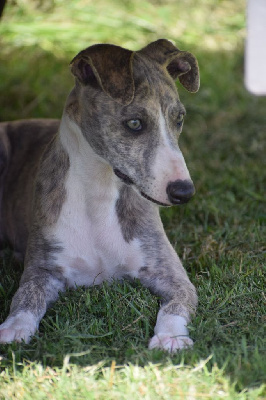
{"points": [[126, 179], [180, 192]]}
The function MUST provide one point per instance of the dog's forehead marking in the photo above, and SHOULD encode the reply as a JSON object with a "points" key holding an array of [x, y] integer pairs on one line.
{"points": [[164, 134]]}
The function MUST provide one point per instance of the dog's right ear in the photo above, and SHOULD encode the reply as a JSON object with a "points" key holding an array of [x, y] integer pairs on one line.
{"points": [[83, 71], [108, 66]]}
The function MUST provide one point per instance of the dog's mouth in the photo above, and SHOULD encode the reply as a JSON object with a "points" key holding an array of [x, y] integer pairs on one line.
{"points": [[127, 180]]}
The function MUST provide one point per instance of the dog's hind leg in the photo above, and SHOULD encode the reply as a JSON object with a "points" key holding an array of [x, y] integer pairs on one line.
{"points": [[168, 279]]}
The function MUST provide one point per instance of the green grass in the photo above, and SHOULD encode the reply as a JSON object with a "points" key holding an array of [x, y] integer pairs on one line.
{"points": [[93, 342]]}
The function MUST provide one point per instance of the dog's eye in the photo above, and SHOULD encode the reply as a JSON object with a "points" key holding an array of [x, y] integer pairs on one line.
{"points": [[134, 124], [180, 120]]}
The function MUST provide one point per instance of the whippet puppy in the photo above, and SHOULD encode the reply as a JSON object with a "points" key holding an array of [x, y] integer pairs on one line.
{"points": [[79, 200]]}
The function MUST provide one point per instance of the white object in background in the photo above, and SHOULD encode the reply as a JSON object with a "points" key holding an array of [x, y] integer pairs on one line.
{"points": [[255, 56]]}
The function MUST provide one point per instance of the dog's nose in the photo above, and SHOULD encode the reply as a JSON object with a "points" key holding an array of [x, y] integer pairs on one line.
{"points": [[180, 192]]}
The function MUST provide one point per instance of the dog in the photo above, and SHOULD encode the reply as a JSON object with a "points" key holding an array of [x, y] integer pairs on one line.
{"points": [[79, 199]]}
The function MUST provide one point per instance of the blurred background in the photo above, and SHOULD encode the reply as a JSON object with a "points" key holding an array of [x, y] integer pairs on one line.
{"points": [[39, 38]]}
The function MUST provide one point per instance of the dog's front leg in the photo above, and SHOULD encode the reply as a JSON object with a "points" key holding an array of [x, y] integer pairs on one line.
{"points": [[168, 279], [38, 288]]}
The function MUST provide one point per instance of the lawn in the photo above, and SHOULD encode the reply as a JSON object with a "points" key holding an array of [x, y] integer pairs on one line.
{"points": [[92, 344]]}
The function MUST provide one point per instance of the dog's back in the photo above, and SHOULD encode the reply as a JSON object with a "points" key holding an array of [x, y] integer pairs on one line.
{"points": [[21, 146]]}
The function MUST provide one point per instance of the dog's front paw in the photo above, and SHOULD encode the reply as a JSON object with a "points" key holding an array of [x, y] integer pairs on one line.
{"points": [[170, 343], [8, 335], [18, 328]]}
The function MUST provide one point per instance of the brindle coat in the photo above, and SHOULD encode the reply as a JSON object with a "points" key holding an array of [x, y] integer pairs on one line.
{"points": [[80, 201]]}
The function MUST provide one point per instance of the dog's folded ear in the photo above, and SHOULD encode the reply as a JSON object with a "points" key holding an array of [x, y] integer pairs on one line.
{"points": [[108, 66], [179, 64]]}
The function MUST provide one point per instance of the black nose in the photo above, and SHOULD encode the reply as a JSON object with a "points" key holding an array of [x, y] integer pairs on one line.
{"points": [[180, 192]]}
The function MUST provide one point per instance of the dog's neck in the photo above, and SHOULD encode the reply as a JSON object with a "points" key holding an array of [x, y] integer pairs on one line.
{"points": [[88, 169]]}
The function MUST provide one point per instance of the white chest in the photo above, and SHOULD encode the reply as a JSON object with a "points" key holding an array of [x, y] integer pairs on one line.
{"points": [[88, 229]]}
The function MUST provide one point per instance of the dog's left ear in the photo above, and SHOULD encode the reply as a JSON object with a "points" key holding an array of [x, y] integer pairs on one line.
{"points": [[109, 66], [185, 67], [179, 64]]}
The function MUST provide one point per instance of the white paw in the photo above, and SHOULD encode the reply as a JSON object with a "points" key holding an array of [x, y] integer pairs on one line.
{"points": [[18, 328], [170, 343]]}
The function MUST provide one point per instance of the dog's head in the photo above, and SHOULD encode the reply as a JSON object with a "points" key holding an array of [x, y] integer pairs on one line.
{"points": [[130, 113]]}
